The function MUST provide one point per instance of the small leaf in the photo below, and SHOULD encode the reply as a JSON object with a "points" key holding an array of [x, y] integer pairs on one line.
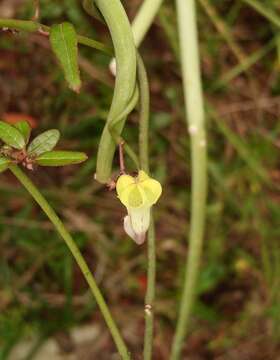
{"points": [[25, 129], [43, 142], [61, 158], [4, 163], [11, 136], [64, 44]]}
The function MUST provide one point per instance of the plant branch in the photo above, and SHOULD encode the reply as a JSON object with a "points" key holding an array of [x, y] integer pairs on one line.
{"points": [[118, 139], [144, 115], [150, 294], [195, 121], [60, 228], [33, 26], [144, 162], [144, 19]]}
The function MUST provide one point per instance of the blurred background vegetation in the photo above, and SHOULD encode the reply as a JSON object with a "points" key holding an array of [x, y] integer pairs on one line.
{"points": [[42, 293]]}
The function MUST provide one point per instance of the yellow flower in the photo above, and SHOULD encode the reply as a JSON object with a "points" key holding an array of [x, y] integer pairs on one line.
{"points": [[138, 194]]}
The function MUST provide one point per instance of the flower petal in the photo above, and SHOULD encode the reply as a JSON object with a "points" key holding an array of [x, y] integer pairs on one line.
{"points": [[123, 183], [139, 239], [142, 176], [140, 220], [152, 189], [132, 197], [135, 198]]}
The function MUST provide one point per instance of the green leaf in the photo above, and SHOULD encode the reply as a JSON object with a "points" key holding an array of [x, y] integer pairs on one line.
{"points": [[4, 163], [25, 129], [64, 44], [43, 142], [61, 158], [11, 136]]}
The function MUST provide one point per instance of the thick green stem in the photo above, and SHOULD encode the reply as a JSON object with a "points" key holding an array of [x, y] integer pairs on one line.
{"points": [[144, 19], [60, 228], [125, 53], [195, 122], [32, 26]]}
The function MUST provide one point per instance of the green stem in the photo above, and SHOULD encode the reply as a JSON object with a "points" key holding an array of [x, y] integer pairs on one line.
{"points": [[32, 26], [59, 226], [125, 53], [144, 162], [144, 19], [195, 122], [150, 294], [114, 133], [144, 115]]}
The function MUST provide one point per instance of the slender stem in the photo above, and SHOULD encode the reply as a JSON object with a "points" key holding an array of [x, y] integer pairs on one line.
{"points": [[114, 132], [125, 53], [33, 26], [60, 228], [144, 162], [144, 115], [144, 19], [36, 15], [140, 27], [195, 122], [150, 294]]}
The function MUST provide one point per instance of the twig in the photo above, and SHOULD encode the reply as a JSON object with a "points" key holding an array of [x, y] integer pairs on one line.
{"points": [[121, 157], [32, 26], [36, 15], [144, 18]]}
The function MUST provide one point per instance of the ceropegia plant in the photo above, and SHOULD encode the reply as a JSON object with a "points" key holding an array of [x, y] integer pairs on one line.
{"points": [[137, 194], [18, 150]]}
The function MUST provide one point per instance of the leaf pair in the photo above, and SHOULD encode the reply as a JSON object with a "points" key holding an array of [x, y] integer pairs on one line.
{"points": [[18, 136], [39, 151]]}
